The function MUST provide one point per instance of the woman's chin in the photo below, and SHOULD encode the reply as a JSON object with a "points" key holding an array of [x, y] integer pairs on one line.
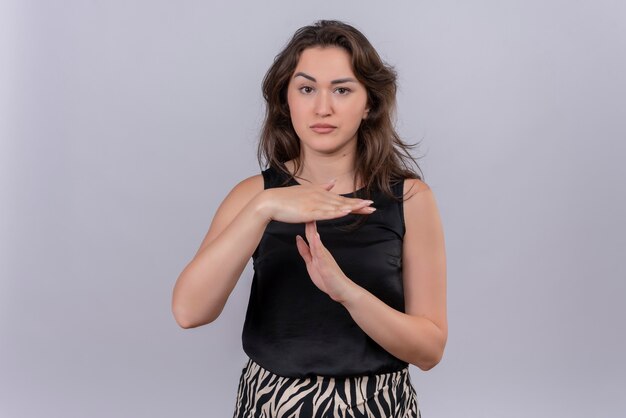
{"points": [[328, 146]]}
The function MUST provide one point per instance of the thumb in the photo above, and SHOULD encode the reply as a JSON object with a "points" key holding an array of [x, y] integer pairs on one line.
{"points": [[329, 185], [303, 249]]}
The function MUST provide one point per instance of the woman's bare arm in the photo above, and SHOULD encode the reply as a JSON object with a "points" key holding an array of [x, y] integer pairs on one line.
{"points": [[418, 335], [205, 284], [202, 289]]}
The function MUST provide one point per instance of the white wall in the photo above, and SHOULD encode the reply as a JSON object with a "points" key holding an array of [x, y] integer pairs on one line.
{"points": [[125, 123]]}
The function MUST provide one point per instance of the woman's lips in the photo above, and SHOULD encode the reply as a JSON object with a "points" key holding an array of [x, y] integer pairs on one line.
{"points": [[323, 128]]}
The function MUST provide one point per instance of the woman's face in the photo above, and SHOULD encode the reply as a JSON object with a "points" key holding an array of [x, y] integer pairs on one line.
{"points": [[326, 101]]}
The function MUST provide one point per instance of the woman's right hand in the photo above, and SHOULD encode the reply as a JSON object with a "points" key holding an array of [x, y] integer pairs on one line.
{"points": [[204, 285], [306, 203]]}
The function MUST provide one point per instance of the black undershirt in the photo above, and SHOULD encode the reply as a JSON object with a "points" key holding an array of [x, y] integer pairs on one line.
{"points": [[294, 329]]}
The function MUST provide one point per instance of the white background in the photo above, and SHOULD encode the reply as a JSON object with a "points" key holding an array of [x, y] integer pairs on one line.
{"points": [[125, 123]]}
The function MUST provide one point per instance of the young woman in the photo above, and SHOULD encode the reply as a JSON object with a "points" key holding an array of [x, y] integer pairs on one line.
{"points": [[349, 281]]}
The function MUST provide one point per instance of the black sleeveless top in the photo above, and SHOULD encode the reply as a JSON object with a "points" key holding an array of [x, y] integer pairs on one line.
{"points": [[294, 329]]}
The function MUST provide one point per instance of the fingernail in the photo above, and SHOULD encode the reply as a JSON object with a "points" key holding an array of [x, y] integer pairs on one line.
{"points": [[369, 202], [370, 209]]}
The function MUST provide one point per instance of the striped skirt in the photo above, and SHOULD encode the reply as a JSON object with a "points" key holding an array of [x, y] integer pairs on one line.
{"points": [[263, 394]]}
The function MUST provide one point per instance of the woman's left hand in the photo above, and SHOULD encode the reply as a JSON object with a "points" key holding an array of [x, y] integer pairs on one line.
{"points": [[321, 265]]}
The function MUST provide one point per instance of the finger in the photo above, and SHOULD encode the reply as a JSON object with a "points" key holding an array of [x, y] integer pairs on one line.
{"points": [[355, 202], [334, 199], [303, 249], [339, 206], [359, 207], [323, 215], [364, 211], [316, 243], [331, 206], [309, 229]]}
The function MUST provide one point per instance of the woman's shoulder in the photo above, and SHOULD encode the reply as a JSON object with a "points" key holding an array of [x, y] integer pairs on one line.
{"points": [[414, 186], [249, 186], [269, 177], [420, 205], [243, 192]]}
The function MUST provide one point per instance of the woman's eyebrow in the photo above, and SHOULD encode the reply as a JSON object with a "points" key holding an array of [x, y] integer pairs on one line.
{"points": [[338, 81]]}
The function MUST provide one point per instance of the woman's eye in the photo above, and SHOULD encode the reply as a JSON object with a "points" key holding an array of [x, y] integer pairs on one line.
{"points": [[306, 89], [342, 90]]}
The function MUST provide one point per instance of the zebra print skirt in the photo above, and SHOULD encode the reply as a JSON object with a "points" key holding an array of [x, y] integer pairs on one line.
{"points": [[263, 394]]}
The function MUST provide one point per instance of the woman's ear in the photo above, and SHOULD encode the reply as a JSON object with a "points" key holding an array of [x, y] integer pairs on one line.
{"points": [[366, 112]]}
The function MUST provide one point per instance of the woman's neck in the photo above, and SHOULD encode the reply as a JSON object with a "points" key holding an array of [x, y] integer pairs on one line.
{"points": [[323, 169]]}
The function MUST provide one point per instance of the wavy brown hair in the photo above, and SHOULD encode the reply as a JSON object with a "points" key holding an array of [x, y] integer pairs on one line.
{"points": [[382, 158]]}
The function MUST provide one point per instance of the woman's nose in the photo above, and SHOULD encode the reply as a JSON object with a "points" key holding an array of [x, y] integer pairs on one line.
{"points": [[323, 105]]}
